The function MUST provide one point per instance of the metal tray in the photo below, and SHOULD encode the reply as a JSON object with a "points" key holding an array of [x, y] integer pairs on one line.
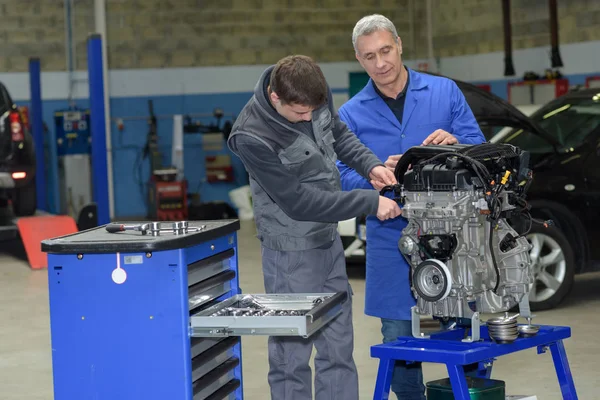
{"points": [[268, 314]]}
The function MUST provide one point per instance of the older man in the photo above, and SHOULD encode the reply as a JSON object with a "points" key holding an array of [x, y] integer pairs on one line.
{"points": [[397, 109]]}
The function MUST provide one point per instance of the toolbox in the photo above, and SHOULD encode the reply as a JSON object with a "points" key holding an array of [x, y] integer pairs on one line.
{"points": [[154, 310], [479, 389]]}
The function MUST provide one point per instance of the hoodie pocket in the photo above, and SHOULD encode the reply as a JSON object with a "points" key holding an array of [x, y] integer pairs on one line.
{"points": [[328, 146]]}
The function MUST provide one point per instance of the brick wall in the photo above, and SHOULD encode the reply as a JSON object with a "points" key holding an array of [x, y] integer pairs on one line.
{"points": [[186, 33], [475, 26], [234, 32]]}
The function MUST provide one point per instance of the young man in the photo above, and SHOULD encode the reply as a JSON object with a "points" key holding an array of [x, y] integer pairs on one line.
{"points": [[289, 137], [397, 109]]}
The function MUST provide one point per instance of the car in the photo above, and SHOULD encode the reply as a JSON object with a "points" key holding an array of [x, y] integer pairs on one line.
{"points": [[563, 139], [17, 159]]}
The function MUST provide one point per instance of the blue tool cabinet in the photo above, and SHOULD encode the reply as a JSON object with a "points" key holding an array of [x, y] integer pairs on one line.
{"points": [[120, 310]]}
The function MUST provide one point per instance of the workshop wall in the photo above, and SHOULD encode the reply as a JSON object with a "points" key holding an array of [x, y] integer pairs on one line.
{"points": [[185, 33], [192, 56], [462, 27]]}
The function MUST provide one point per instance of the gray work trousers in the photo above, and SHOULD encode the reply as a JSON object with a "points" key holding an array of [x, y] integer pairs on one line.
{"points": [[290, 377]]}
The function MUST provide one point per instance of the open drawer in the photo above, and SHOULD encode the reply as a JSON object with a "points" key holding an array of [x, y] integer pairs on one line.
{"points": [[268, 314]]}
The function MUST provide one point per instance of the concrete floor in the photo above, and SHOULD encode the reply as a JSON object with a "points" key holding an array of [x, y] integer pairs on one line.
{"points": [[25, 356]]}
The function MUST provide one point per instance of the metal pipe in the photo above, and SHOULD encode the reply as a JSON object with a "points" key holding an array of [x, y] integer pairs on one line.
{"points": [[100, 24], [411, 20], [73, 47], [433, 64], [69, 47], [555, 58], [509, 68]]}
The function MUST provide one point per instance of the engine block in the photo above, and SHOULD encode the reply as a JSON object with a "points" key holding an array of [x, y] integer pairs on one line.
{"points": [[462, 204]]}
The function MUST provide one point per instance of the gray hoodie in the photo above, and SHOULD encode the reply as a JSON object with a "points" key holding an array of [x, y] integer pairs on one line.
{"points": [[296, 190]]}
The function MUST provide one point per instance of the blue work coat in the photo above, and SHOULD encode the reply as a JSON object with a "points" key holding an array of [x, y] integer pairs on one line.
{"points": [[431, 103]]}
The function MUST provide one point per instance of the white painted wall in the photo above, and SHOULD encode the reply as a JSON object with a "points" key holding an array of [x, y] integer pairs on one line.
{"points": [[579, 58]]}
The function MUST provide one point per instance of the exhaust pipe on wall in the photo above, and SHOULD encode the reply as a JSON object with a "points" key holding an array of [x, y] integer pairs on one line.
{"points": [[555, 58], [509, 68]]}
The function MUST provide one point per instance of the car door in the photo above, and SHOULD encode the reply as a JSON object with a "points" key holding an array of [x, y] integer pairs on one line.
{"points": [[575, 123], [591, 173]]}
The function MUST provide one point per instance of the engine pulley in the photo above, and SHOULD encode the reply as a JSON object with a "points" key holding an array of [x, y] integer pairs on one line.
{"points": [[432, 280]]}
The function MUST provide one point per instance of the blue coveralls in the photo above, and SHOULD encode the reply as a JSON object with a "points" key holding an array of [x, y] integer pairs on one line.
{"points": [[431, 103]]}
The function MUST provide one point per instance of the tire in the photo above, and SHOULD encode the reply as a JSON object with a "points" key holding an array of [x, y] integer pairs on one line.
{"points": [[570, 225], [25, 200], [553, 274]]}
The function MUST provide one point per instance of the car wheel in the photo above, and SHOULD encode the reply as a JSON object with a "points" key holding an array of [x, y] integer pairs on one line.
{"points": [[24, 200], [553, 266], [570, 225]]}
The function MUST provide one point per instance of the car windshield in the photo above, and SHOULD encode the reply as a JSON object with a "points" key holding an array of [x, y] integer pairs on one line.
{"points": [[568, 122]]}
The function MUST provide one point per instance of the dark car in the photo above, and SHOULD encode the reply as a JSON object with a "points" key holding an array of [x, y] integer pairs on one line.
{"points": [[17, 159], [563, 138]]}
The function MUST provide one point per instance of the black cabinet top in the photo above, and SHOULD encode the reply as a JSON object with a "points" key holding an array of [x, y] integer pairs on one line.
{"points": [[131, 240]]}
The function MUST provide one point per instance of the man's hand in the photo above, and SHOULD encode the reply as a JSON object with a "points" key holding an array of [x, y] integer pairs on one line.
{"points": [[387, 209], [392, 161], [378, 185], [381, 176], [440, 136]]}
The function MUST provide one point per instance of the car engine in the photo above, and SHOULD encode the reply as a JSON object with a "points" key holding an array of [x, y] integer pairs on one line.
{"points": [[464, 204]]}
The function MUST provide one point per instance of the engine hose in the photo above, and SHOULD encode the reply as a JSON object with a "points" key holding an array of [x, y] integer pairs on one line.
{"points": [[491, 245]]}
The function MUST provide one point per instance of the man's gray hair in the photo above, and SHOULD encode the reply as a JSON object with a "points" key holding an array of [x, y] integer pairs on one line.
{"points": [[372, 23]]}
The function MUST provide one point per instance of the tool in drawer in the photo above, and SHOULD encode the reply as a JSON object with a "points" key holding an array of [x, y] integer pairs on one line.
{"points": [[300, 314], [155, 228], [249, 306], [252, 312]]}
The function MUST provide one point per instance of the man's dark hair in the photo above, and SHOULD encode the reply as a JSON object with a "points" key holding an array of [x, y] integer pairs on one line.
{"points": [[298, 79]]}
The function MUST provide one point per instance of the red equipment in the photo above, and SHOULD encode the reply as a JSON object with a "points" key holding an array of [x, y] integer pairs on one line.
{"points": [[168, 200]]}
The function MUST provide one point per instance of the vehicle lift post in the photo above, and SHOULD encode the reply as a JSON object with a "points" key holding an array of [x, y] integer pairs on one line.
{"points": [[447, 347], [37, 125], [100, 178]]}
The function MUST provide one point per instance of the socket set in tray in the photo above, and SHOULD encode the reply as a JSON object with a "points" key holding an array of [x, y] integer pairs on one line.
{"points": [[268, 314], [250, 307]]}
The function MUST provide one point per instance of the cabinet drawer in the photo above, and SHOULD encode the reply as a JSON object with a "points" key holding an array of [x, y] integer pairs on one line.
{"points": [[199, 345], [215, 380], [227, 392], [212, 358], [209, 267], [268, 314], [209, 289]]}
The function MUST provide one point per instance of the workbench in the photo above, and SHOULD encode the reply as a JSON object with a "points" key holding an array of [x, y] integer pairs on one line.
{"points": [[447, 347]]}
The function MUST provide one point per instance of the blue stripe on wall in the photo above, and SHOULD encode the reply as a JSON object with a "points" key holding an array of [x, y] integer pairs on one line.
{"points": [[130, 172]]}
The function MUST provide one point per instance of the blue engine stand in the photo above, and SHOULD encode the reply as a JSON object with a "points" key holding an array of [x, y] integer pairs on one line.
{"points": [[448, 348]]}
